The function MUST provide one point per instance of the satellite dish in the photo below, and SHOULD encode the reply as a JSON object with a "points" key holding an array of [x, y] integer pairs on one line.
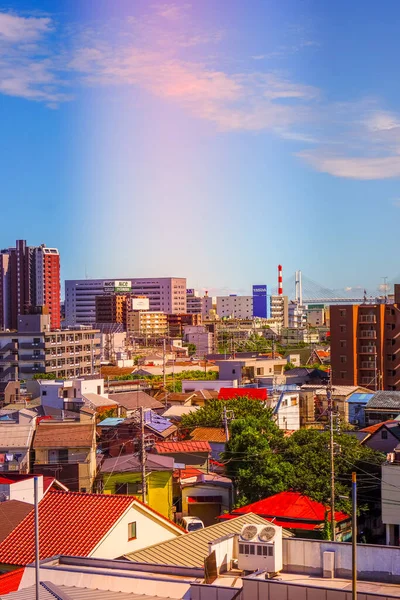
{"points": [[266, 534], [249, 532]]}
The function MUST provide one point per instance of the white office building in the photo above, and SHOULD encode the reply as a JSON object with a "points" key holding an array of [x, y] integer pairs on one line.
{"points": [[238, 307], [165, 294]]}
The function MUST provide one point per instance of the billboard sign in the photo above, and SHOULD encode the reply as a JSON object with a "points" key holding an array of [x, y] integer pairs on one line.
{"points": [[117, 286], [260, 301], [140, 304]]}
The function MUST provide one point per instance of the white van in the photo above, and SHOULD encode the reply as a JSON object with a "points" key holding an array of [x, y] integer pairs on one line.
{"points": [[191, 523]]}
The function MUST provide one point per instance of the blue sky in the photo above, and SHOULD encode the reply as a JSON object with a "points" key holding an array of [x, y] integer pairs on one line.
{"points": [[210, 140]]}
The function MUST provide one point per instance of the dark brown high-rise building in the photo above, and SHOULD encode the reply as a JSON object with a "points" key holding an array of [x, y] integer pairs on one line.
{"points": [[365, 345], [112, 308], [29, 277]]}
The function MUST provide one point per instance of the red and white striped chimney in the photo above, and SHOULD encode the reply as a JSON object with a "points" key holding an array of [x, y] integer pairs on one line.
{"points": [[280, 284]]}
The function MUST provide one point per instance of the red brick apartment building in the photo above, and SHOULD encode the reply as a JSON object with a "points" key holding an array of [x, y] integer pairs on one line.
{"points": [[365, 345]]}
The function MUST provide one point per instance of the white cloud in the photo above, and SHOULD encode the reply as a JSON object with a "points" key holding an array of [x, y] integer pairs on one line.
{"points": [[21, 29], [354, 167]]}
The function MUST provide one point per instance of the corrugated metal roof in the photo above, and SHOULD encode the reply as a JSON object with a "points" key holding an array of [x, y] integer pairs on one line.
{"points": [[191, 549], [360, 398], [15, 436], [98, 400], [50, 591], [130, 463], [133, 400], [385, 399], [111, 422]]}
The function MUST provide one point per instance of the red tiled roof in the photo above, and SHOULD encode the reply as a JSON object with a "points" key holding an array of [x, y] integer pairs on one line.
{"points": [[186, 446], [71, 523], [6, 480], [290, 505], [253, 393], [9, 582], [374, 428]]}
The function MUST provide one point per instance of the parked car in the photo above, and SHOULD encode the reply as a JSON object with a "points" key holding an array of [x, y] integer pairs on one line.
{"points": [[191, 523]]}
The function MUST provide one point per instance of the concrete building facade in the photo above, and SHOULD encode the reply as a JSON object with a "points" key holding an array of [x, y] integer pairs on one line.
{"points": [[239, 307], [279, 310], [166, 294], [35, 348], [146, 323], [29, 277]]}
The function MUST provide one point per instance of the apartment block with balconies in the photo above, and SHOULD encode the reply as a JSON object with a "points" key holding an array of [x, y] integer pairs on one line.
{"points": [[37, 349], [365, 345]]}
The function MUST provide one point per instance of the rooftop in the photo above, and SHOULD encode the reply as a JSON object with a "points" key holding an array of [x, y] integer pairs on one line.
{"points": [[301, 511], [191, 549], [13, 436], [66, 526], [50, 434], [392, 425], [253, 393], [360, 398], [209, 434], [158, 423], [185, 447], [12, 512], [384, 399], [136, 399], [98, 401], [130, 463]]}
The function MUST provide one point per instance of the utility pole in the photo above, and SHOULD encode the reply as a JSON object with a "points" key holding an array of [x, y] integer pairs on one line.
{"points": [[164, 374], [225, 422], [354, 535], [330, 410], [143, 455], [37, 556]]}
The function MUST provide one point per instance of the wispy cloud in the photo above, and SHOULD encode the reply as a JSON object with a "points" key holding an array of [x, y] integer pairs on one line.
{"points": [[356, 140]]}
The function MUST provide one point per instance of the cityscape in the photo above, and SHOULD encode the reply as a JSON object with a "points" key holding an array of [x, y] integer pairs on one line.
{"points": [[199, 318]]}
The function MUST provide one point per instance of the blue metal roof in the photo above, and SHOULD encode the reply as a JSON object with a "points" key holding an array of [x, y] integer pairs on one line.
{"points": [[360, 398], [111, 422], [156, 422]]}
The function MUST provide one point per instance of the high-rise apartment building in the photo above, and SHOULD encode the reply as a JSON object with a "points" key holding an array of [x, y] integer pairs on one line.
{"points": [[279, 309], [194, 302], [165, 294], [238, 307], [365, 344], [29, 277]]}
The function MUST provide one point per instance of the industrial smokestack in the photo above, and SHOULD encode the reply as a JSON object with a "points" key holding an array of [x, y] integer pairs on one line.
{"points": [[280, 284]]}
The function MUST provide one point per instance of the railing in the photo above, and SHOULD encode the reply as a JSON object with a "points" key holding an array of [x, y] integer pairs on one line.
{"points": [[368, 335], [367, 319], [368, 350], [367, 364]]}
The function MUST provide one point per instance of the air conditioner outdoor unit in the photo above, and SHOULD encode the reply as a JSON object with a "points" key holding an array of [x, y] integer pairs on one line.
{"points": [[260, 547]]}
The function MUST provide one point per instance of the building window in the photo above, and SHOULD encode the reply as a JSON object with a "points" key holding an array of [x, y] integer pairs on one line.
{"points": [[343, 358], [343, 312], [384, 434], [132, 531], [343, 329], [343, 343], [44, 393], [343, 374]]}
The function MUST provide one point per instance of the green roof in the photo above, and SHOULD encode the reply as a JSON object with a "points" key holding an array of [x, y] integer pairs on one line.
{"points": [[191, 549]]}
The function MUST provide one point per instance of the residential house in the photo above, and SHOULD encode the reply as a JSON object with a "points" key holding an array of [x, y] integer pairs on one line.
{"points": [[123, 475], [321, 356], [15, 446], [355, 409], [202, 495], [130, 402], [186, 453], [297, 513], [382, 406], [80, 524], [383, 437], [247, 370], [390, 486], [215, 436], [66, 450], [314, 403], [176, 412], [304, 375], [121, 436], [286, 409], [191, 549]]}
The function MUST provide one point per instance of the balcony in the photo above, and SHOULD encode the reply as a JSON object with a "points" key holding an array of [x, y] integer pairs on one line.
{"points": [[369, 365], [368, 350], [32, 345], [367, 319], [40, 369], [368, 335], [31, 357]]}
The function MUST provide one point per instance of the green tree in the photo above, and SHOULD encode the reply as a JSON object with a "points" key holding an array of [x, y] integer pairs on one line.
{"points": [[289, 366], [211, 414], [191, 348]]}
